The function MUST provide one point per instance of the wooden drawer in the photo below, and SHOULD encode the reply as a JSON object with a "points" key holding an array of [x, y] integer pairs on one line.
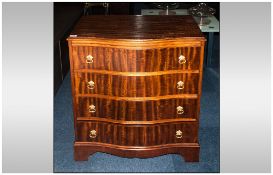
{"points": [[128, 60], [136, 86], [123, 110], [137, 135]]}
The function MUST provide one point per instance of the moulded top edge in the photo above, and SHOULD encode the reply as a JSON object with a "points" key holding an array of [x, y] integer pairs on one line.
{"points": [[93, 39]]}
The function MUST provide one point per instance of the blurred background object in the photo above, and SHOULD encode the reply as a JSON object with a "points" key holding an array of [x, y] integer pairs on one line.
{"points": [[88, 6], [202, 11], [167, 7], [66, 16], [106, 8]]}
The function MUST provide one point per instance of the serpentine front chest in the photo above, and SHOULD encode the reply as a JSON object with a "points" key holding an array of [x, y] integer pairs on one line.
{"points": [[136, 85]]}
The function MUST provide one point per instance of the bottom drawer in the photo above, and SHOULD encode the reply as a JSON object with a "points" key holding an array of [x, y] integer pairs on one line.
{"points": [[137, 135]]}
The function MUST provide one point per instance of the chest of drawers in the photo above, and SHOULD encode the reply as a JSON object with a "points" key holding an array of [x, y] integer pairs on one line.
{"points": [[136, 85]]}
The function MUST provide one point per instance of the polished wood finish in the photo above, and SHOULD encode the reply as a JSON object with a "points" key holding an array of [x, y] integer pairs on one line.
{"points": [[137, 135], [134, 108], [136, 86], [136, 44], [137, 27], [189, 151], [139, 98], [136, 122], [132, 60]]}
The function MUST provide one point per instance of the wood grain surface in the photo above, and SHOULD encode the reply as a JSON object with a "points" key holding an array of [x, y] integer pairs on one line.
{"points": [[137, 135], [189, 151], [137, 27], [137, 110], [131, 60], [136, 69], [138, 86]]}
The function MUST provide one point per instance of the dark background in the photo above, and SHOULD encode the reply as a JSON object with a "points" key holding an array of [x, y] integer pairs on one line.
{"points": [[67, 14]]}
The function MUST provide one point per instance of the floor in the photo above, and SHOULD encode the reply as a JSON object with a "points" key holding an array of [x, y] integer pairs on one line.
{"points": [[209, 138]]}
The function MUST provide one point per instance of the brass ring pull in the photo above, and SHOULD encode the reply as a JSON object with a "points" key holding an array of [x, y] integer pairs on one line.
{"points": [[91, 85], [180, 85], [178, 134], [182, 59], [93, 134], [92, 108], [180, 110], [89, 59]]}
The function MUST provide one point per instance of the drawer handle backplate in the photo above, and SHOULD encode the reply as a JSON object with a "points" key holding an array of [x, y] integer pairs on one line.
{"points": [[92, 108], [182, 59], [180, 110], [180, 85], [89, 59], [93, 134], [179, 134], [91, 84]]}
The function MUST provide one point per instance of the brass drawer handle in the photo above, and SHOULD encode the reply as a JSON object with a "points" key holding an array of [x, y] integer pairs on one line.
{"points": [[181, 59], [93, 134], [91, 85], [89, 59], [178, 134], [180, 85], [180, 110], [92, 108]]}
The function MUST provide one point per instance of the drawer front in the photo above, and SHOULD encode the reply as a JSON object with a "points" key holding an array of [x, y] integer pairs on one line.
{"points": [[137, 135], [149, 60], [137, 110], [136, 86]]}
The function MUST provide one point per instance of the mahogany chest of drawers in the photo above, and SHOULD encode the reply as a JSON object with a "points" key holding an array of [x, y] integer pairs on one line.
{"points": [[136, 85]]}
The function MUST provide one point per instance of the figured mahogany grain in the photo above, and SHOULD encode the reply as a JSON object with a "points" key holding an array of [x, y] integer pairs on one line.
{"points": [[135, 69], [137, 135], [136, 110], [188, 96], [131, 60], [137, 27], [138, 86]]}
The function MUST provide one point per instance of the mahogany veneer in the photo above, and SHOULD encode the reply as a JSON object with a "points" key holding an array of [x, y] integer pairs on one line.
{"points": [[132, 60], [136, 85], [147, 110]]}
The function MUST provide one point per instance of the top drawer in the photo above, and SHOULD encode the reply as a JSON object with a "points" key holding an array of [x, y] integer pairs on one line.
{"points": [[129, 60]]}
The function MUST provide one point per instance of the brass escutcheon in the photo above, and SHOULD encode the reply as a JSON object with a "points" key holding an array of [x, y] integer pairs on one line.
{"points": [[89, 59], [178, 134], [92, 108], [91, 85], [182, 59], [93, 134], [180, 85], [180, 110]]}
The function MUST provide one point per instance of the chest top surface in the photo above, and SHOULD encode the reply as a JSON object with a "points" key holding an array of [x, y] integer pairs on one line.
{"points": [[137, 27]]}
